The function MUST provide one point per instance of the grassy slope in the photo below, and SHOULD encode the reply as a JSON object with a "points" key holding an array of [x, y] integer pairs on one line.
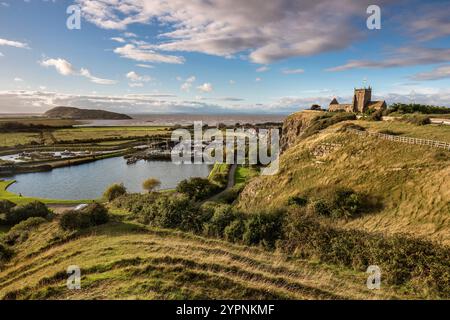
{"points": [[412, 183], [127, 261], [6, 195]]}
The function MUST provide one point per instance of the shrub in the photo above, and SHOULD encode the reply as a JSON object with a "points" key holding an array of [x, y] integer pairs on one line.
{"points": [[222, 217], [74, 220], [98, 213], [172, 212], [297, 201], [134, 202], [6, 206], [114, 191], [263, 228], [29, 210], [231, 195], [337, 203], [5, 253], [418, 120], [402, 259], [151, 184], [93, 215], [20, 231], [197, 188], [235, 230]]}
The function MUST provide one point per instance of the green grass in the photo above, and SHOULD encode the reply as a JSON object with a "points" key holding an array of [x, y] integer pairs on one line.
{"points": [[243, 174], [15, 138], [219, 174], [124, 260], [6, 195]]}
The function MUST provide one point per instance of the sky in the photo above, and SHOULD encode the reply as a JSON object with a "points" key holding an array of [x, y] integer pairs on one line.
{"points": [[220, 56]]}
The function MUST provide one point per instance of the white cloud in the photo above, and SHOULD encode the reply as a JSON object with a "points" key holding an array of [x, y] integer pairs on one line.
{"points": [[262, 69], [65, 68], [18, 79], [1, 54], [258, 79], [143, 54], [118, 39], [86, 73], [4, 4], [133, 76], [16, 44], [229, 27], [232, 82], [206, 87], [187, 85], [437, 73], [146, 66], [293, 71], [401, 57]]}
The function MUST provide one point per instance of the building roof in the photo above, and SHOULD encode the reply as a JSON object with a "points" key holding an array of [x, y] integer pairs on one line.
{"points": [[334, 101]]}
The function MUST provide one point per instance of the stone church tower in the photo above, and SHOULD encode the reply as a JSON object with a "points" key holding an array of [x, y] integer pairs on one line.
{"points": [[361, 99]]}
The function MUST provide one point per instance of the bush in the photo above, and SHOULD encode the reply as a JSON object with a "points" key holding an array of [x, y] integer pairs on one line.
{"points": [[5, 253], [172, 212], [231, 195], [417, 108], [134, 202], [114, 191], [197, 188], [263, 228], [338, 203], [151, 184], [401, 259], [418, 120], [29, 210], [222, 217], [6, 206], [235, 230], [93, 215], [297, 201], [20, 232]]}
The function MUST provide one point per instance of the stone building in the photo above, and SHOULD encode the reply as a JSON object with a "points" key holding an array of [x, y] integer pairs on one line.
{"points": [[362, 101]]}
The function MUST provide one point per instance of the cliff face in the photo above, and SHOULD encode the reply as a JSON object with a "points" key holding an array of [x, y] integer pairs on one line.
{"points": [[295, 126], [80, 114]]}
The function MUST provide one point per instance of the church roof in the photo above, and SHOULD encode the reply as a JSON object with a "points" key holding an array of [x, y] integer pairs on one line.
{"points": [[334, 101]]}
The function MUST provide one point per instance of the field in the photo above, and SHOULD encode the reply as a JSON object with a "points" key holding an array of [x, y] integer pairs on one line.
{"points": [[16, 138], [123, 260], [432, 132], [88, 133]]}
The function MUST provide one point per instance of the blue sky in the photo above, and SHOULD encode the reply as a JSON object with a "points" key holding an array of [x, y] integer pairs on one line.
{"points": [[220, 56]]}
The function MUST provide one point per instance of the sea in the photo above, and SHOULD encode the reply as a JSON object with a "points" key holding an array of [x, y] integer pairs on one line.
{"points": [[188, 119]]}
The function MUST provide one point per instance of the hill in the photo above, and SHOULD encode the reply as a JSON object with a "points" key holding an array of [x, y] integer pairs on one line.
{"points": [[125, 260], [407, 185], [84, 114]]}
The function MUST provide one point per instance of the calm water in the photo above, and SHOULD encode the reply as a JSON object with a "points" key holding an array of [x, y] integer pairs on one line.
{"points": [[88, 181]]}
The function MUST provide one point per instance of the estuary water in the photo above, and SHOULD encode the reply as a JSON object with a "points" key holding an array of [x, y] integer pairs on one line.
{"points": [[88, 181]]}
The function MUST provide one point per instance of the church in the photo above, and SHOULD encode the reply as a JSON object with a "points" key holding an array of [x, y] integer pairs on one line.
{"points": [[362, 102]]}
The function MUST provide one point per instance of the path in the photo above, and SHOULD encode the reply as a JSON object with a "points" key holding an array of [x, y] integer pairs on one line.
{"points": [[230, 184]]}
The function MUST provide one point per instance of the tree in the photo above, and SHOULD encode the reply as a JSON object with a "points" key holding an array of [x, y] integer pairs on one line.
{"points": [[114, 191], [151, 184], [197, 188], [316, 107]]}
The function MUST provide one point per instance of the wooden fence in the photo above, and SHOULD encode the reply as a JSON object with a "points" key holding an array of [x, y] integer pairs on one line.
{"points": [[409, 140]]}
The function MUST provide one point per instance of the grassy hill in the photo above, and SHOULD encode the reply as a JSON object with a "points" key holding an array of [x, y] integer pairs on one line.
{"points": [[409, 185], [129, 261], [79, 114]]}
